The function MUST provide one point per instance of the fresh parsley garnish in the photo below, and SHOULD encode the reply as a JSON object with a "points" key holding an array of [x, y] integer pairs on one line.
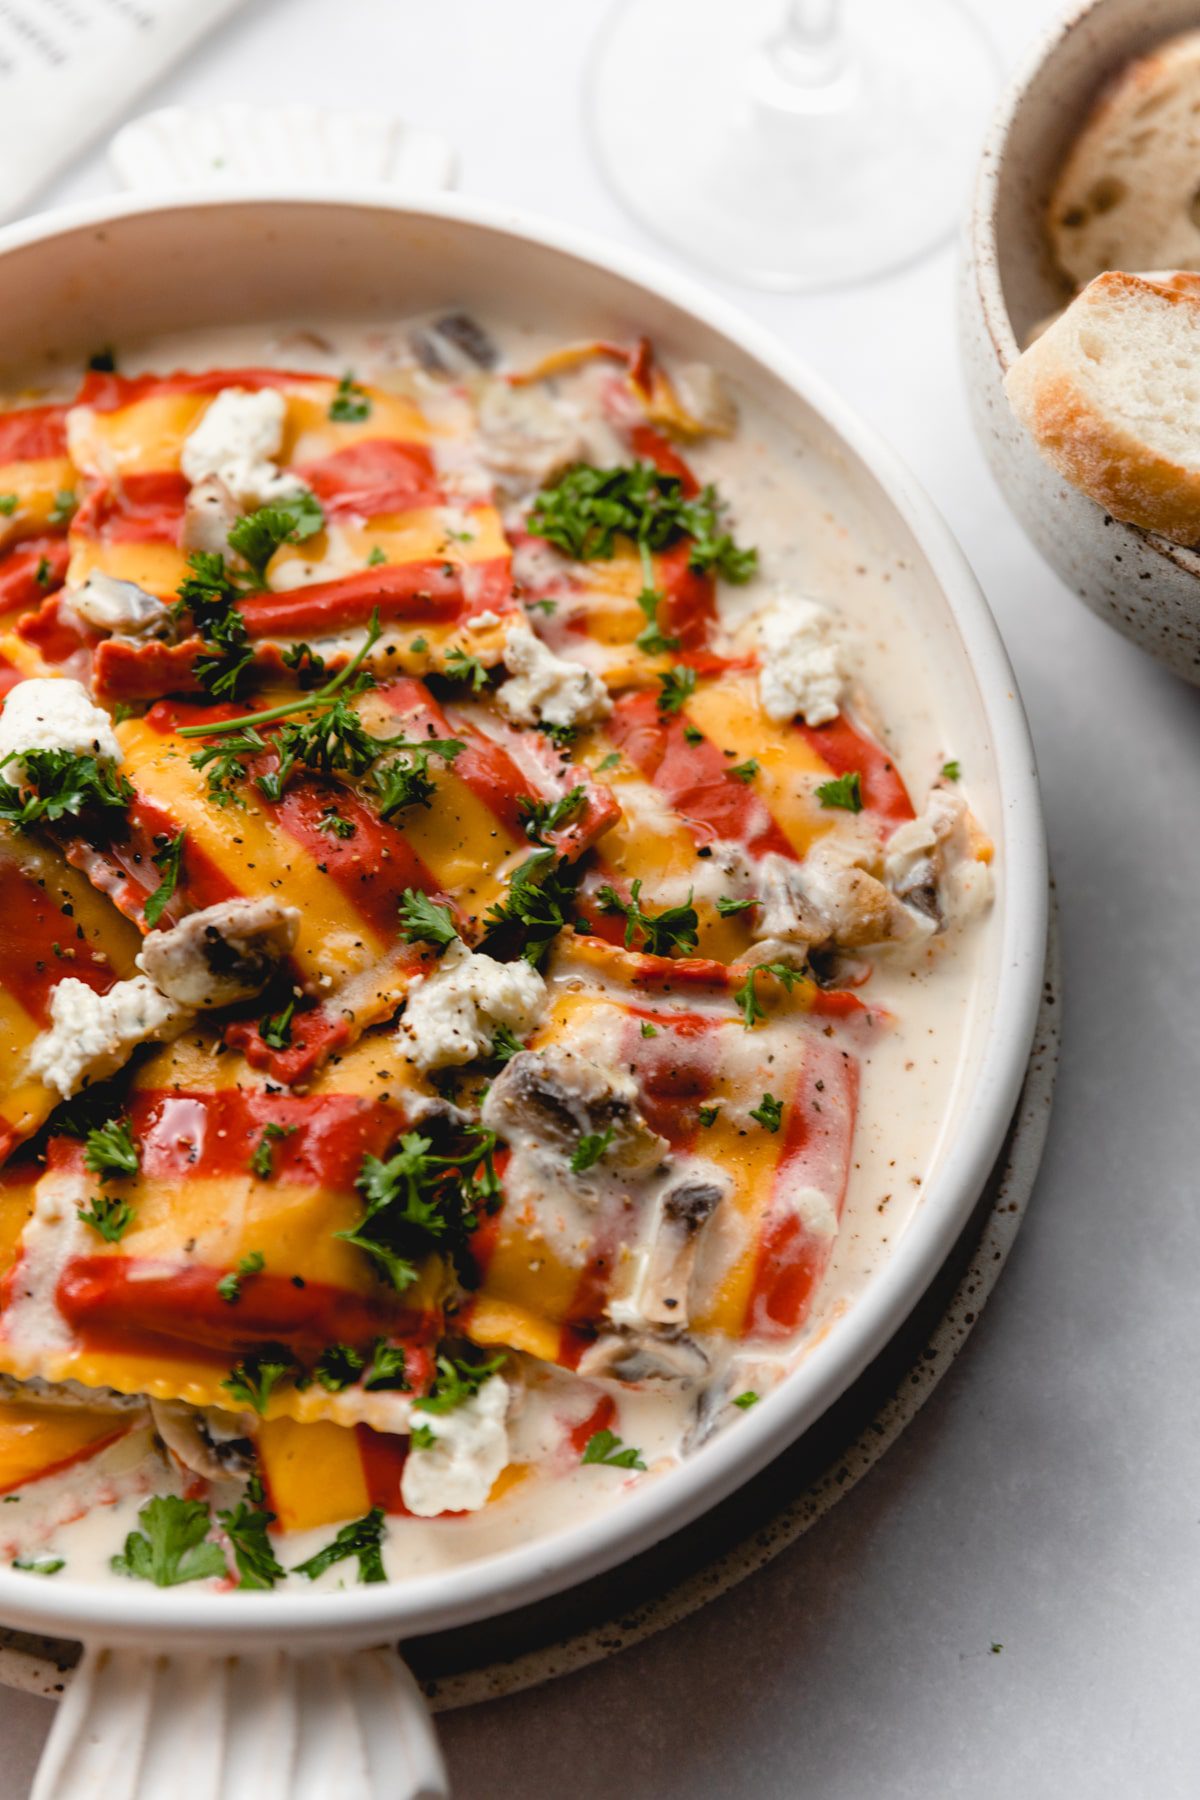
{"points": [[590, 1148], [172, 1546], [43, 574], [362, 1539], [664, 932], [108, 1216], [535, 908], [745, 771], [709, 1115], [230, 1286], [62, 784], [275, 1029], [376, 557], [611, 761], [307, 664], [543, 816], [607, 1448], [505, 1045], [351, 404], [746, 1400], [677, 687], [952, 770], [727, 907], [585, 511], [252, 1381], [747, 999], [225, 762], [387, 1369], [109, 1150], [424, 921], [332, 821], [648, 1030], [406, 781], [768, 1112], [651, 638], [39, 1565], [457, 1381], [258, 536], [64, 508], [417, 1200], [458, 666], [338, 1366], [262, 1163], [246, 1526], [169, 861], [9, 504], [844, 792]]}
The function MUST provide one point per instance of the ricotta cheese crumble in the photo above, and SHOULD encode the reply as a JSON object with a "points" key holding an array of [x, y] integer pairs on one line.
{"points": [[456, 1471], [91, 1035], [802, 669], [452, 1016], [54, 713], [545, 689], [237, 440]]}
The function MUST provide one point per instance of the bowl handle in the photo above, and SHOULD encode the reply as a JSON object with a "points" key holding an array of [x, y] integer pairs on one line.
{"points": [[138, 1726]]}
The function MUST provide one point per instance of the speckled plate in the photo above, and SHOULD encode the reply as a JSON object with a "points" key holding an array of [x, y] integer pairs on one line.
{"points": [[571, 1630]]}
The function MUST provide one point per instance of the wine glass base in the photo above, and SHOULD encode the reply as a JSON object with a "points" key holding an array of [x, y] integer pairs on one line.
{"points": [[782, 183]]}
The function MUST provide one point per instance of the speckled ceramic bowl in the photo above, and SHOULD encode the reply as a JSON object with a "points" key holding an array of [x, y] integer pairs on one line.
{"points": [[1138, 582]]}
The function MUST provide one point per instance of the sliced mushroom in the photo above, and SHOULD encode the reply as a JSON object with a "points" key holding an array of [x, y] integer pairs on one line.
{"points": [[637, 1356], [547, 1100], [935, 864], [210, 514], [659, 1295], [210, 1443], [528, 437], [453, 344], [227, 952], [121, 607]]}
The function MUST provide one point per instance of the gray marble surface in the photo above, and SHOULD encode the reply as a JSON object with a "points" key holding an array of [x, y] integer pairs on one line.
{"points": [[1047, 1500]]}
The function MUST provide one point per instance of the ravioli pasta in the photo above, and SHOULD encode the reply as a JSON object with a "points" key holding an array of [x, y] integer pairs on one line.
{"points": [[435, 1040]]}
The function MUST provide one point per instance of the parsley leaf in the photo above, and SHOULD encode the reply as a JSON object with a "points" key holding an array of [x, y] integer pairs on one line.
{"points": [[745, 771], [9, 504], [746, 1400], [109, 1216], [246, 1526], [332, 821], [674, 929], [709, 1115], [424, 921], [678, 686], [351, 404], [225, 765], [43, 574], [230, 1286], [768, 1112], [952, 770], [611, 761], [171, 1547], [39, 1565], [64, 508], [376, 557], [747, 999], [169, 861], [362, 1539], [534, 910], [388, 1368], [458, 666], [457, 1381], [542, 816], [262, 1163], [590, 1149], [727, 908], [606, 1447], [407, 781], [109, 1150], [62, 783], [587, 508], [651, 638], [275, 1029], [416, 1200], [844, 792], [251, 1381], [258, 536], [649, 1030], [505, 1045]]}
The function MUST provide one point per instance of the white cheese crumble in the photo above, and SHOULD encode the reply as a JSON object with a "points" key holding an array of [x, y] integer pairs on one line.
{"points": [[238, 439], [802, 669], [457, 1471], [92, 1035], [453, 1014], [547, 689], [54, 713]]}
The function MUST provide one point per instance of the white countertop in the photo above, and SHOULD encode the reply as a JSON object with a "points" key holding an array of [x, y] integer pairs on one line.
{"points": [[1048, 1497]]}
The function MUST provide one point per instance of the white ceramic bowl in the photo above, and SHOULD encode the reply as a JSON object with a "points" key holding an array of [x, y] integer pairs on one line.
{"points": [[1138, 582], [112, 272]]}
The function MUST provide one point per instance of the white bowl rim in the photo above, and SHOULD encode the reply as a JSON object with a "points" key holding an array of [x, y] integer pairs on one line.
{"points": [[448, 1598]]}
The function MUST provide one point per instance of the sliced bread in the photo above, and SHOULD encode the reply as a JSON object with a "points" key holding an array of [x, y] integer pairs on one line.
{"points": [[1128, 196], [1111, 393]]}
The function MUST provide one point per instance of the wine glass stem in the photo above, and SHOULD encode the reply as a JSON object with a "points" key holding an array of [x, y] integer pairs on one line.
{"points": [[809, 50]]}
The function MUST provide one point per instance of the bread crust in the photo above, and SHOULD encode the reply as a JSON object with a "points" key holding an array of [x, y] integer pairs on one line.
{"points": [[1096, 451]]}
